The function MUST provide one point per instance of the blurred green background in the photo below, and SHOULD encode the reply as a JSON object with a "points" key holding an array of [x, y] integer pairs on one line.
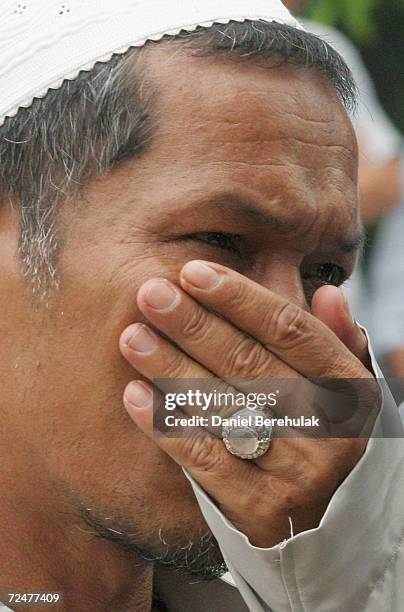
{"points": [[377, 28]]}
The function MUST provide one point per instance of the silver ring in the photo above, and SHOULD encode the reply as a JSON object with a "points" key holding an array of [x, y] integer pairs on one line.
{"points": [[245, 436]]}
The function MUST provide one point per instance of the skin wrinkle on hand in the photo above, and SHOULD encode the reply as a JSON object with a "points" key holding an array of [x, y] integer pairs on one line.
{"points": [[66, 421]]}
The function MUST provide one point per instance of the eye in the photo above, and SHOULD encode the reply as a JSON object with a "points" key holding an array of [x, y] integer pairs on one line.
{"points": [[228, 242], [326, 274]]}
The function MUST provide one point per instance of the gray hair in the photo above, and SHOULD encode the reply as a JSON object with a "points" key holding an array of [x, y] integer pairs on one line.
{"points": [[49, 151]]}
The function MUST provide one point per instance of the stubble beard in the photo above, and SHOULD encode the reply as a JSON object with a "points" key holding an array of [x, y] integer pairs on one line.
{"points": [[199, 557]]}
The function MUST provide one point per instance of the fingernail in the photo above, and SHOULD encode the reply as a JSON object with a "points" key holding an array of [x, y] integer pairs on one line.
{"points": [[138, 395], [200, 275], [160, 295], [142, 340]]}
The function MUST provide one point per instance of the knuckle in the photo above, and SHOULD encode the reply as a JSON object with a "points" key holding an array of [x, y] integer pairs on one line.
{"points": [[337, 362], [247, 358], [291, 498], [298, 494], [175, 367], [270, 495], [196, 326], [204, 454], [287, 326], [370, 394], [238, 297], [255, 499], [262, 507]]}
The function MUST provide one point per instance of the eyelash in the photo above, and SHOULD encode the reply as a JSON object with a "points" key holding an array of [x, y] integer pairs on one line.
{"points": [[327, 273], [328, 269], [231, 240]]}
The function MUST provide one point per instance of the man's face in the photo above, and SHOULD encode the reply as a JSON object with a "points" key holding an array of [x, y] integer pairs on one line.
{"points": [[251, 167]]}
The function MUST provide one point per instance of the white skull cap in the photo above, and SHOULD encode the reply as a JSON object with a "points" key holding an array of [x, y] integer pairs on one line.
{"points": [[44, 42]]}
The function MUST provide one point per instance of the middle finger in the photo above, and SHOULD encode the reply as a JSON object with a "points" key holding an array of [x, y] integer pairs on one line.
{"points": [[218, 345]]}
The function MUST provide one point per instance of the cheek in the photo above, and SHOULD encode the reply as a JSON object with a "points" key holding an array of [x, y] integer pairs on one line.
{"points": [[84, 435], [80, 374]]}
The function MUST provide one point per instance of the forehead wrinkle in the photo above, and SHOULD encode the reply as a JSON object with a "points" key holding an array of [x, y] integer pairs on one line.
{"points": [[266, 143], [199, 83], [226, 104], [239, 125], [231, 203]]}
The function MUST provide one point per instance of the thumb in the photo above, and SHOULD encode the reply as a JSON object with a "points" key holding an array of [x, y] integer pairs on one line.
{"points": [[331, 307]]}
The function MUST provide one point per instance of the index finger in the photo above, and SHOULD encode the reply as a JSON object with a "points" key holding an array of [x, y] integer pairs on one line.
{"points": [[285, 329]]}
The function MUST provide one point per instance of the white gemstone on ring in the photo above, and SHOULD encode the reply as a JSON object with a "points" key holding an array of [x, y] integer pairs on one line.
{"points": [[244, 438]]}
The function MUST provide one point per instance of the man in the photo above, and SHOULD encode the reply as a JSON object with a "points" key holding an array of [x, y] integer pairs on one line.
{"points": [[212, 172]]}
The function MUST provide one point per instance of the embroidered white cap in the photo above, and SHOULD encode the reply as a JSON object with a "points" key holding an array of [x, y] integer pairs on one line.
{"points": [[44, 42]]}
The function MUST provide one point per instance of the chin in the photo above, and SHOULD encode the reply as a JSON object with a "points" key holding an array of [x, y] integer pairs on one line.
{"points": [[153, 513], [176, 538]]}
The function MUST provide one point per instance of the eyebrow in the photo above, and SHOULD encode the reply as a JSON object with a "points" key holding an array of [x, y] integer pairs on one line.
{"points": [[231, 202]]}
